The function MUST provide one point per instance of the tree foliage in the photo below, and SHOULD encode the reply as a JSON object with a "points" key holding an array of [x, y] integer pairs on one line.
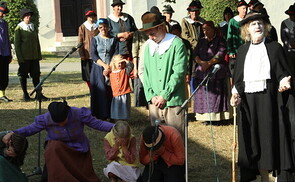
{"points": [[13, 17]]}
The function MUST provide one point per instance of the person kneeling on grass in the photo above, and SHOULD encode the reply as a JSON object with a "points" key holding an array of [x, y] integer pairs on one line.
{"points": [[67, 153], [13, 149], [162, 153], [120, 150]]}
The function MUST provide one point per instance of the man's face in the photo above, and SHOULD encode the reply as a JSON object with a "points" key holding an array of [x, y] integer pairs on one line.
{"points": [[118, 9], [156, 34], [242, 11], [256, 29], [292, 18]]}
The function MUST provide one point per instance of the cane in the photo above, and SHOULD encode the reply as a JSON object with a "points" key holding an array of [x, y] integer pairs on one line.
{"points": [[234, 147]]}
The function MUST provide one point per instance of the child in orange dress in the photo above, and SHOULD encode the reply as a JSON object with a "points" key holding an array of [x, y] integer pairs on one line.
{"points": [[119, 78]]}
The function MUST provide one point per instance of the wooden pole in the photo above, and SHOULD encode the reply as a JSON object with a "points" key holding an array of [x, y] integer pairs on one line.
{"points": [[234, 147]]}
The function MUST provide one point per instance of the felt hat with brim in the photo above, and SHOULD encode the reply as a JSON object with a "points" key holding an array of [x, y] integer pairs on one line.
{"points": [[153, 137], [150, 20], [242, 3], [3, 7], [117, 2], [291, 10], [58, 111], [168, 9], [24, 12], [89, 12], [194, 6], [253, 16]]}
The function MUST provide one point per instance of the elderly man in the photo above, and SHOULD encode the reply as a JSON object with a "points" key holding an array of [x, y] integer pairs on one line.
{"points": [[165, 60]]}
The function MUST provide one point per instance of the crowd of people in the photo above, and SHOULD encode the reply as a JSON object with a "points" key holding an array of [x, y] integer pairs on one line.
{"points": [[164, 62]]}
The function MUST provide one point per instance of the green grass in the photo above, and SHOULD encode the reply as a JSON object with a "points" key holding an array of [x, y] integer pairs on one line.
{"points": [[68, 85]]}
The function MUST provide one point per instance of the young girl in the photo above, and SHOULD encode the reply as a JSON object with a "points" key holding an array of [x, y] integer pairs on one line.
{"points": [[120, 150], [119, 78]]}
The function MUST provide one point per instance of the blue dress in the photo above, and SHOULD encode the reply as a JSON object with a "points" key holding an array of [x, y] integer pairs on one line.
{"points": [[101, 93]]}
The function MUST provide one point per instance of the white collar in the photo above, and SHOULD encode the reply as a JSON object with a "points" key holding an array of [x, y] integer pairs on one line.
{"points": [[221, 24], [238, 18], [163, 46], [26, 27], [191, 21], [289, 23], [116, 19], [89, 26]]}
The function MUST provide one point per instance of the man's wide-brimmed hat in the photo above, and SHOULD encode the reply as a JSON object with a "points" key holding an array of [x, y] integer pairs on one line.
{"points": [[253, 16], [194, 6], [3, 7], [89, 12], [153, 137], [168, 9], [291, 10], [242, 3], [117, 2], [24, 12], [150, 20]]}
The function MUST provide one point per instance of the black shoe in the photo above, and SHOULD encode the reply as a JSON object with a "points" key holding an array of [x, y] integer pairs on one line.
{"points": [[27, 98], [43, 98], [5, 99]]}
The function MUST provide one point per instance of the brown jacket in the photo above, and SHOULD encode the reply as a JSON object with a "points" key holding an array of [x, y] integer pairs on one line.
{"points": [[85, 36]]}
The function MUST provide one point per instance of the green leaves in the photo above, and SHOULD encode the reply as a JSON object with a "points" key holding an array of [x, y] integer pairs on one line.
{"points": [[13, 17]]}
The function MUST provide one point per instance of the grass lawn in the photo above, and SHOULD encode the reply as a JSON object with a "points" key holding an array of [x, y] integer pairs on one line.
{"points": [[68, 85]]}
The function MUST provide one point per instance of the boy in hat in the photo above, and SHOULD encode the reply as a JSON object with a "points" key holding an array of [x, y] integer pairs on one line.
{"points": [[5, 52], [168, 12], [87, 31], [288, 37], [234, 40], [162, 149], [191, 25], [28, 53], [165, 60], [66, 137]]}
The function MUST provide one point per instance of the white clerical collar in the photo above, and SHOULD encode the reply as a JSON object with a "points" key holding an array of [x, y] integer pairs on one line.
{"points": [[89, 25], [191, 21], [116, 19], [163, 46], [26, 27]]}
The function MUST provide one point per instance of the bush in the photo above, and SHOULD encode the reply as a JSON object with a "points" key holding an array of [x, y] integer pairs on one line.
{"points": [[13, 17]]}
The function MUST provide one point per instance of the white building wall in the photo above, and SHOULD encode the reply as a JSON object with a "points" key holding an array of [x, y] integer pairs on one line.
{"points": [[47, 34]]}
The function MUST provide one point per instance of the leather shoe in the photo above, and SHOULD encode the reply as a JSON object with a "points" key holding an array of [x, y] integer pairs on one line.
{"points": [[5, 99]]}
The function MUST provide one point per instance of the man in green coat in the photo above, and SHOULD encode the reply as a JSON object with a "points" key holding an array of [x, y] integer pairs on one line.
{"points": [[165, 60]]}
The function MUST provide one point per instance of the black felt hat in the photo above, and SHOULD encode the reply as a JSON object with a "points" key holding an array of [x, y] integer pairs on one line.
{"points": [[242, 3], [58, 111], [168, 9], [89, 12], [24, 12], [253, 16], [153, 137], [117, 2], [194, 6], [3, 7], [291, 10]]}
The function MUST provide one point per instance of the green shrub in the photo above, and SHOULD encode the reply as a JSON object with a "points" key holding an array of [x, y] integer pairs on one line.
{"points": [[13, 17]]}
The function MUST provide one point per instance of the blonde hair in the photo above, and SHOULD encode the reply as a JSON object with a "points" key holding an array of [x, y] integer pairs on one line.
{"points": [[115, 58], [245, 34], [122, 129]]}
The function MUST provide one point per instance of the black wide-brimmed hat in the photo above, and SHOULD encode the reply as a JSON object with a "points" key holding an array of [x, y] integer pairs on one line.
{"points": [[58, 111], [153, 137], [194, 6], [168, 9], [117, 2], [89, 12], [150, 20], [3, 7], [291, 10], [24, 12], [253, 16]]}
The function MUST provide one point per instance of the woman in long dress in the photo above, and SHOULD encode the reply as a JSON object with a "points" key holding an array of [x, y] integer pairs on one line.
{"points": [[103, 47]]}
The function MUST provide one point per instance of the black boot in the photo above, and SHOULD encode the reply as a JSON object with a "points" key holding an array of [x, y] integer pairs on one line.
{"points": [[36, 81], [23, 83]]}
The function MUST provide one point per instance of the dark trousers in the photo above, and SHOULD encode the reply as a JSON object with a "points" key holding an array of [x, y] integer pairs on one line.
{"points": [[86, 66], [163, 173], [31, 67], [4, 70]]}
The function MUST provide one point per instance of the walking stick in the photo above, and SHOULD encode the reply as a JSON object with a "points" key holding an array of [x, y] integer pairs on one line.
{"points": [[234, 147]]}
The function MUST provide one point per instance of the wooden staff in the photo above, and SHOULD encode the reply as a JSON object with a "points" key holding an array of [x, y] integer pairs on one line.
{"points": [[234, 147]]}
